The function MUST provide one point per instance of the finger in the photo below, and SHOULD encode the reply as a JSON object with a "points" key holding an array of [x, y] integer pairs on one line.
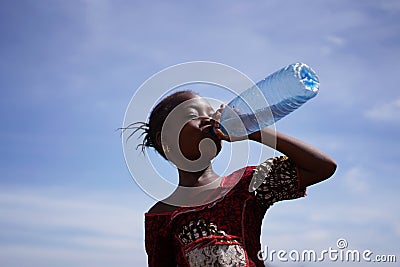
{"points": [[219, 111], [215, 123], [217, 115], [221, 135]]}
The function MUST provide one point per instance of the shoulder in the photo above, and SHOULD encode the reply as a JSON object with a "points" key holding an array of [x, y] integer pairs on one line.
{"points": [[157, 220], [161, 207]]}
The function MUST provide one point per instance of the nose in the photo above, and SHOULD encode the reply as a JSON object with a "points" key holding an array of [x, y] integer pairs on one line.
{"points": [[205, 120]]}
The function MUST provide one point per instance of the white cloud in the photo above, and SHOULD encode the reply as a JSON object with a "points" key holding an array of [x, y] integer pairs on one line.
{"points": [[356, 180], [332, 43], [387, 112], [317, 223], [391, 6], [63, 228], [336, 40], [131, 42], [398, 230]]}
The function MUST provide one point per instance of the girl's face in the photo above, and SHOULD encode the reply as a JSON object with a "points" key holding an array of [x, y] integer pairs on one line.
{"points": [[187, 134]]}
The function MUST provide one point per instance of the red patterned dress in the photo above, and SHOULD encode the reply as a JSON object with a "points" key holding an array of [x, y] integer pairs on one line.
{"points": [[225, 232]]}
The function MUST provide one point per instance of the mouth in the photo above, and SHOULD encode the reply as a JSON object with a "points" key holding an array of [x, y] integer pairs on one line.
{"points": [[208, 132]]}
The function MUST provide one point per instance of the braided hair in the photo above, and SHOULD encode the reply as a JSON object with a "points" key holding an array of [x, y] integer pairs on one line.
{"points": [[158, 115]]}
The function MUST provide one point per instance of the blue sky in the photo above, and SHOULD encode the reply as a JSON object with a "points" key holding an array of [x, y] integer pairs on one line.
{"points": [[69, 69]]}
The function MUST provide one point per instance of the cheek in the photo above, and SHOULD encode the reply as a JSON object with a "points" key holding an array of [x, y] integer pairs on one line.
{"points": [[189, 143], [190, 132], [189, 138]]}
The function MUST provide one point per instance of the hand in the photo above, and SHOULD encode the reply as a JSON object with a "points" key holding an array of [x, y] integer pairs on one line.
{"points": [[216, 117]]}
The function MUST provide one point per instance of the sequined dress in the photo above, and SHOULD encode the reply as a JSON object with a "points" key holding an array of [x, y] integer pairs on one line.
{"points": [[225, 232]]}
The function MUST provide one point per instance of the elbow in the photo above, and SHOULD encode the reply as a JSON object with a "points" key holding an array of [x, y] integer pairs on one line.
{"points": [[327, 169], [322, 171]]}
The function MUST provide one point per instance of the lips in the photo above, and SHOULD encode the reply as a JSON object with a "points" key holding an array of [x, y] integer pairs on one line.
{"points": [[208, 132]]}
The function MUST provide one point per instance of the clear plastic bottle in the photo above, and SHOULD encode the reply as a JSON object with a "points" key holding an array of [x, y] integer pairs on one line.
{"points": [[269, 100]]}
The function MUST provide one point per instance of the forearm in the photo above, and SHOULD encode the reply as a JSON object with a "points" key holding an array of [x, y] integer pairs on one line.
{"points": [[313, 164]]}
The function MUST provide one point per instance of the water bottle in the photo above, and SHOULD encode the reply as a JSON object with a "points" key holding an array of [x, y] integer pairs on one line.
{"points": [[269, 100]]}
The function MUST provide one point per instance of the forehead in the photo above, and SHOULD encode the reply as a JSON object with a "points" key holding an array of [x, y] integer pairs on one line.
{"points": [[198, 103]]}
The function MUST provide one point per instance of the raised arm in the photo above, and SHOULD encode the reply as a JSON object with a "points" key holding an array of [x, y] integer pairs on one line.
{"points": [[313, 165]]}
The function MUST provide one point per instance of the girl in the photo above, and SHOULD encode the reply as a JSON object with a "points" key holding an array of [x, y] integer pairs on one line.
{"points": [[222, 225]]}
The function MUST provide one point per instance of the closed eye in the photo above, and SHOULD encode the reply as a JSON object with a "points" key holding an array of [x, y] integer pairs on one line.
{"points": [[193, 117]]}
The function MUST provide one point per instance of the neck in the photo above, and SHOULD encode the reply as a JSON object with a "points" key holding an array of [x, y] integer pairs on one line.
{"points": [[200, 178]]}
